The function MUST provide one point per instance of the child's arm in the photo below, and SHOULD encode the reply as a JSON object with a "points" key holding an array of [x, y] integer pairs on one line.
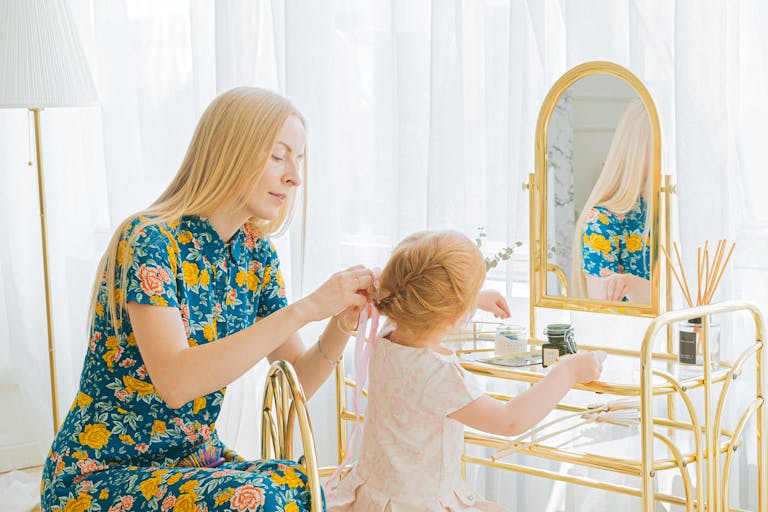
{"points": [[493, 302], [527, 409]]}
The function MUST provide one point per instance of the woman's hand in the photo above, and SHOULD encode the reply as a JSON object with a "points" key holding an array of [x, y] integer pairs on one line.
{"points": [[493, 302], [348, 319], [344, 293], [634, 288], [615, 287]]}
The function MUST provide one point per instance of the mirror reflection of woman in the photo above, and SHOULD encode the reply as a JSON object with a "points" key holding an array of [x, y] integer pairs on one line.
{"points": [[611, 256]]}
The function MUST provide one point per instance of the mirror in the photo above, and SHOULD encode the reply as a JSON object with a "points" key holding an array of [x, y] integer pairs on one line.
{"points": [[597, 194]]}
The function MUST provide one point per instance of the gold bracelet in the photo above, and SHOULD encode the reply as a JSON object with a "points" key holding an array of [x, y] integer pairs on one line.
{"points": [[320, 349]]}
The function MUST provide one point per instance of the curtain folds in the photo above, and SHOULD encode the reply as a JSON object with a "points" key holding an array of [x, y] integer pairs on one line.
{"points": [[421, 115]]}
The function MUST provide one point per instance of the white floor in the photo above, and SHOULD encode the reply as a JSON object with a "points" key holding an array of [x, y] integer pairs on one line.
{"points": [[20, 490]]}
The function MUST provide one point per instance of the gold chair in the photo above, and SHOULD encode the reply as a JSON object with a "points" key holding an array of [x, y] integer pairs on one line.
{"points": [[284, 402]]}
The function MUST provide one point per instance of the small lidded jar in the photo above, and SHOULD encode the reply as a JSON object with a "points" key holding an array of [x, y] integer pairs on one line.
{"points": [[510, 339], [560, 339]]}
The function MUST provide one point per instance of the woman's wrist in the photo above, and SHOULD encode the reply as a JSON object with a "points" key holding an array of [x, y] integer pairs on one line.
{"points": [[338, 325], [325, 356], [303, 311]]}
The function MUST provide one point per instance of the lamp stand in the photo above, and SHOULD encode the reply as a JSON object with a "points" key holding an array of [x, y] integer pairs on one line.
{"points": [[46, 276]]}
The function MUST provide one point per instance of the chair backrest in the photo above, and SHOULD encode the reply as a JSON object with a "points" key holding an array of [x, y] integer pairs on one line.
{"points": [[284, 403]]}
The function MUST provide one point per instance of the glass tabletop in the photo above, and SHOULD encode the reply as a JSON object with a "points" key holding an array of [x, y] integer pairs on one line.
{"points": [[621, 372], [601, 441]]}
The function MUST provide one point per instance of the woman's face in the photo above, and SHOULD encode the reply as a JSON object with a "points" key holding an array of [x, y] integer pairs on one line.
{"points": [[282, 173]]}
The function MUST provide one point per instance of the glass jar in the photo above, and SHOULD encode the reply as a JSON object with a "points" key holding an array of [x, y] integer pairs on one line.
{"points": [[559, 343], [691, 343], [561, 336], [510, 339]]}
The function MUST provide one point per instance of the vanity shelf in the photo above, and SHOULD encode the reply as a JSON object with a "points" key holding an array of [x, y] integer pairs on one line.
{"points": [[661, 442]]}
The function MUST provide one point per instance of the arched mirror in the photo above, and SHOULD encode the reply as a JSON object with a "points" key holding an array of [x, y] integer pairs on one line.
{"points": [[596, 195]]}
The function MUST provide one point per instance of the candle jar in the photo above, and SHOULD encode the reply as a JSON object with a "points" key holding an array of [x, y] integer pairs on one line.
{"points": [[691, 342], [510, 339]]}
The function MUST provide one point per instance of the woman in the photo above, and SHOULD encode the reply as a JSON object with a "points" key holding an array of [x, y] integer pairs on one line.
{"points": [[196, 268], [611, 257]]}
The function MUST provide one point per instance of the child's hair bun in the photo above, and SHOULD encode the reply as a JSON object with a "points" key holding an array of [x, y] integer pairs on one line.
{"points": [[432, 278]]}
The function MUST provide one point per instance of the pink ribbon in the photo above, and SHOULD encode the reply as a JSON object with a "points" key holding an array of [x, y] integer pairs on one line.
{"points": [[363, 355]]}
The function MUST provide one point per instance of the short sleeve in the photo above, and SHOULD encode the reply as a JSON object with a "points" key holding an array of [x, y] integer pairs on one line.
{"points": [[600, 243], [449, 389], [272, 296], [151, 276]]}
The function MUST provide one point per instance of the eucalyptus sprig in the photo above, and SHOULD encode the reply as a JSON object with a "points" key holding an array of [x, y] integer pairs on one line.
{"points": [[502, 255]]}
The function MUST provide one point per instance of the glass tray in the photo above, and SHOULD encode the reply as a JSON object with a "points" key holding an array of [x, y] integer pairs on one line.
{"points": [[518, 360]]}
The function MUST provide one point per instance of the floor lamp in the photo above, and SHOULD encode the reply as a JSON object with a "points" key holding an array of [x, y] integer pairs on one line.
{"points": [[42, 65]]}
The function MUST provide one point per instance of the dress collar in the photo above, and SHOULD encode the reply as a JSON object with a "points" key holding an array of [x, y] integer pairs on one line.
{"points": [[208, 241]]}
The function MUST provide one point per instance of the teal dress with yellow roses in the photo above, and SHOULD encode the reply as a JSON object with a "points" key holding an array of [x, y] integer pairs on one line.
{"points": [[121, 448], [615, 243]]}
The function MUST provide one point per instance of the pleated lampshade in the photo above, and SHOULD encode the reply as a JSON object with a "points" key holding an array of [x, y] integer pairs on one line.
{"points": [[42, 63]]}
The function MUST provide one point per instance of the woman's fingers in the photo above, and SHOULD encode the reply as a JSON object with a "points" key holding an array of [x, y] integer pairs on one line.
{"points": [[347, 288], [348, 318], [616, 287], [360, 280], [357, 271], [356, 284], [364, 282], [624, 290], [622, 286]]}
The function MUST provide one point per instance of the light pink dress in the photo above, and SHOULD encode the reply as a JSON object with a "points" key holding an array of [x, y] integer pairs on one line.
{"points": [[410, 458]]}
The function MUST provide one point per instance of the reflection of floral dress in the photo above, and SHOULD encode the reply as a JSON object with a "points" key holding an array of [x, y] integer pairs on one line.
{"points": [[121, 447], [614, 243]]}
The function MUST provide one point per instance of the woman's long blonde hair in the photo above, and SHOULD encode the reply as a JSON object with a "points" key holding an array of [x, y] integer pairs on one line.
{"points": [[431, 280], [626, 176], [225, 160]]}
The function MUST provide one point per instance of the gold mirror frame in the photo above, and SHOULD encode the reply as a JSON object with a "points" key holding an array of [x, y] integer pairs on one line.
{"points": [[538, 194]]}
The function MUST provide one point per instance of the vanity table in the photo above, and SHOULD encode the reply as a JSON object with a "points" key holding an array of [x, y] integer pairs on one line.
{"points": [[663, 442], [681, 427], [579, 123]]}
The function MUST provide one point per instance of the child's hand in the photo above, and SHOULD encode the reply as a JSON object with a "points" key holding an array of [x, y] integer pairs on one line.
{"points": [[493, 302], [584, 366]]}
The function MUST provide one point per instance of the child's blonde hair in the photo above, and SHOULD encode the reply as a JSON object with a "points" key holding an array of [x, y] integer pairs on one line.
{"points": [[431, 280]]}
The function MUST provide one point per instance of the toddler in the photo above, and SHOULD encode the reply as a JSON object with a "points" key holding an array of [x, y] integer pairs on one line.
{"points": [[419, 397]]}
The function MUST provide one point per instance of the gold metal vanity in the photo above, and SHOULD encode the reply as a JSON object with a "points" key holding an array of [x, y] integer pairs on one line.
{"points": [[673, 433], [676, 448], [691, 441]]}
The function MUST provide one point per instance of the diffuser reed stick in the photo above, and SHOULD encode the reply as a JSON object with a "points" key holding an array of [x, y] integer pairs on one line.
{"points": [[709, 271]]}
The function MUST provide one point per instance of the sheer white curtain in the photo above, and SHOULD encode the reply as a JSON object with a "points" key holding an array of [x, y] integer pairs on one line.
{"points": [[421, 115], [157, 67]]}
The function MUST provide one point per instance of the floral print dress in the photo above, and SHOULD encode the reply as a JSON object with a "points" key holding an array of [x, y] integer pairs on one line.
{"points": [[615, 243], [121, 448]]}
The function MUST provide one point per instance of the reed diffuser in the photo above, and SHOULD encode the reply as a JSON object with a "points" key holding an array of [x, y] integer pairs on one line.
{"points": [[709, 272]]}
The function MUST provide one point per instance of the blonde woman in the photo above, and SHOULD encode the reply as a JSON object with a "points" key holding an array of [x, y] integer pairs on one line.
{"points": [[188, 297], [611, 257], [419, 397]]}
